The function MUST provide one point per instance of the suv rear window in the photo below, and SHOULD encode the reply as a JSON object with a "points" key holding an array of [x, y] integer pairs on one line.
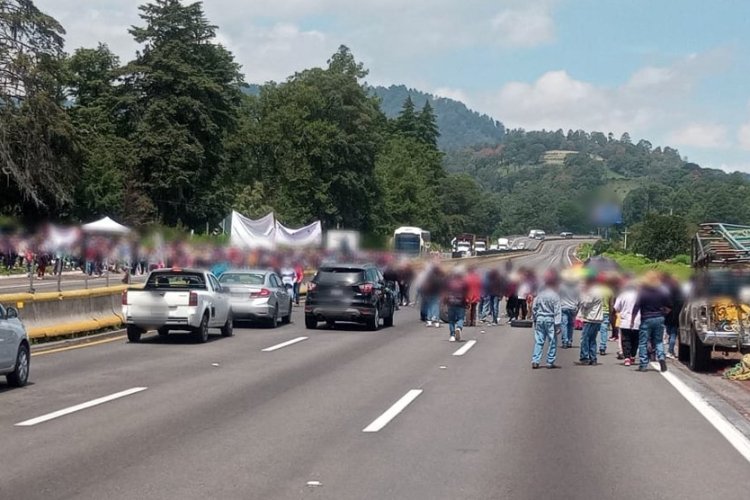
{"points": [[176, 281], [340, 276]]}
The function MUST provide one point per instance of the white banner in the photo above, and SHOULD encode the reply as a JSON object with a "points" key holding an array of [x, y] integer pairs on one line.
{"points": [[249, 233], [267, 232], [308, 236]]}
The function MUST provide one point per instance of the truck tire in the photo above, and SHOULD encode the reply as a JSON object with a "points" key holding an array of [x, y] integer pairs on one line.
{"points": [[700, 355], [134, 334], [228, 329], [683, 354], [20, 375], [201, 333]]}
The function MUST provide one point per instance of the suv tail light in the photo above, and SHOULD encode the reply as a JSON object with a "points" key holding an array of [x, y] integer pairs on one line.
{"points": [[125, 297], [193, 299], [366, 288], [264, 292]]}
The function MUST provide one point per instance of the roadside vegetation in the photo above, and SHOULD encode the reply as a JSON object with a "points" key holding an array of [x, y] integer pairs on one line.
{"points": [[175, 136]]}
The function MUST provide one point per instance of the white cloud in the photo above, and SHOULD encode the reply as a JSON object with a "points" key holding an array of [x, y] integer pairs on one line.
{"points": [[557, 100], [397, 40], [743, 136], [648, 104], [278, 51], [525, 26], [700, 135], [455, 94]]}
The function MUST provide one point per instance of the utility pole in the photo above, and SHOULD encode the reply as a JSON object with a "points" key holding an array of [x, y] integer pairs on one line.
{"points": [[625, 233]]}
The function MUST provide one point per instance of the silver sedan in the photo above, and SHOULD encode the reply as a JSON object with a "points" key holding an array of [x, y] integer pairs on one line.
{"points": [[258, 295], [15, 354]]}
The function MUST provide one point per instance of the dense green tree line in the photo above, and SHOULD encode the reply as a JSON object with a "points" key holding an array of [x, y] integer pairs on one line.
{"points": [[171, 137], [552, 179]]}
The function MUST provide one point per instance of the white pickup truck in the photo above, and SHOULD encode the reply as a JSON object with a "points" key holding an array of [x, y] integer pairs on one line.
{"points": [[178, 299]]}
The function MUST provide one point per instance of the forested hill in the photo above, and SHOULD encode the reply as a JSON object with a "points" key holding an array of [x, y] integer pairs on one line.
{"points": [[546, 178], [460, 127]]}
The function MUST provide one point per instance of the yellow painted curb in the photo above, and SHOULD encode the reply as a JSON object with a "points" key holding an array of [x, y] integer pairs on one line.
{"points": [[90, 325], [11, 298]]}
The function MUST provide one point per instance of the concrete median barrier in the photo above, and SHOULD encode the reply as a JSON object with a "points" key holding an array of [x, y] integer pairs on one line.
{"points": [[54, 314]]}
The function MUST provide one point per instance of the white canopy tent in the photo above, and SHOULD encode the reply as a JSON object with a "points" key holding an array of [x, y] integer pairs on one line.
{"points": [[105, 226]]}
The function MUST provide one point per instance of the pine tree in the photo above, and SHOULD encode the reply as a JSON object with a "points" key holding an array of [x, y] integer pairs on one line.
{"points": [[186, 93], [37, 144], [427, 129], [406, 123]]}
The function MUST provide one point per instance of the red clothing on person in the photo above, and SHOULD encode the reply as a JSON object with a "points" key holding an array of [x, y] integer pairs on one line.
{"points": [[474, 288]]}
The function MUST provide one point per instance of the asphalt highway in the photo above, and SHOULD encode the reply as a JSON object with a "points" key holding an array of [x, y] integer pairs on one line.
{"points": [[229, 420]]}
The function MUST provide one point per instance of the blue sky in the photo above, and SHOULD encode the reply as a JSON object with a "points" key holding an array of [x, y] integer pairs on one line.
{"points": [[674, 72]]}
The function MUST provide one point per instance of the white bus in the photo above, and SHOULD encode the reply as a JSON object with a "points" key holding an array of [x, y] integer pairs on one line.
{"points": [[411, 240]]}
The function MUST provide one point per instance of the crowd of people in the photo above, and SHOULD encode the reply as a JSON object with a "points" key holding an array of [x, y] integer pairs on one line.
{"points": [[607, 306]]}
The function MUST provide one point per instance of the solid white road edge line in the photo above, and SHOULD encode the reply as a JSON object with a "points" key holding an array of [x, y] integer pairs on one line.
{"points": [[720, 423], [394, 410], [465, 348], [82, 406], [284, 344]]}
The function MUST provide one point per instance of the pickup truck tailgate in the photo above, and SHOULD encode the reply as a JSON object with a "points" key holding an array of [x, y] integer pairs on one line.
{"points": [[154, 306]]}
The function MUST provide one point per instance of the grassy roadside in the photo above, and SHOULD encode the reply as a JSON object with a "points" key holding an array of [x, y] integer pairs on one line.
{"points": [[638, 264]]}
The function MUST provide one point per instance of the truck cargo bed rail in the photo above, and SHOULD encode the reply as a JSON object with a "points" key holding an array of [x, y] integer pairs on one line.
{"points": [[719, 245]]}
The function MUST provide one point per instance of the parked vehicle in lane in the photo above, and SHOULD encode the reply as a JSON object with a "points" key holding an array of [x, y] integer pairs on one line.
{"points": [[716, 313], [258, 295], [178, 299], [352, 293], [15, 355]]}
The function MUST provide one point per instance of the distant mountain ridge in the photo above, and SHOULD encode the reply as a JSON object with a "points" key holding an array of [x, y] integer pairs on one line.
{"points": [[460, 127]]}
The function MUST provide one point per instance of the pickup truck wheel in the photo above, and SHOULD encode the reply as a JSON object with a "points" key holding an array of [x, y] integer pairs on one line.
{"points": [[311, 322], [288, 318], [20, 376], [134, 334], [374, 323], [201, 333], [163, 332], [700, 355], [228, 329]]}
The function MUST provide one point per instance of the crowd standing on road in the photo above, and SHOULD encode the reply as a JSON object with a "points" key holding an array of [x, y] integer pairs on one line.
{"points": [[635, 314]]}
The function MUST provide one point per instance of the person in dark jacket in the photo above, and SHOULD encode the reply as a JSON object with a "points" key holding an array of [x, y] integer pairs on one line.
{"points": [[456, 297], [653, 305], [431, 288], [496, 289]]}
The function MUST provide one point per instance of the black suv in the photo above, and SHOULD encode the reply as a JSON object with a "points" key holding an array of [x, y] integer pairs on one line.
{"points": [[353, 293]]}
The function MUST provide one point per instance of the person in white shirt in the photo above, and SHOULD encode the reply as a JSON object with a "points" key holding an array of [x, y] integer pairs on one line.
{"points": [[629, 325]]}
